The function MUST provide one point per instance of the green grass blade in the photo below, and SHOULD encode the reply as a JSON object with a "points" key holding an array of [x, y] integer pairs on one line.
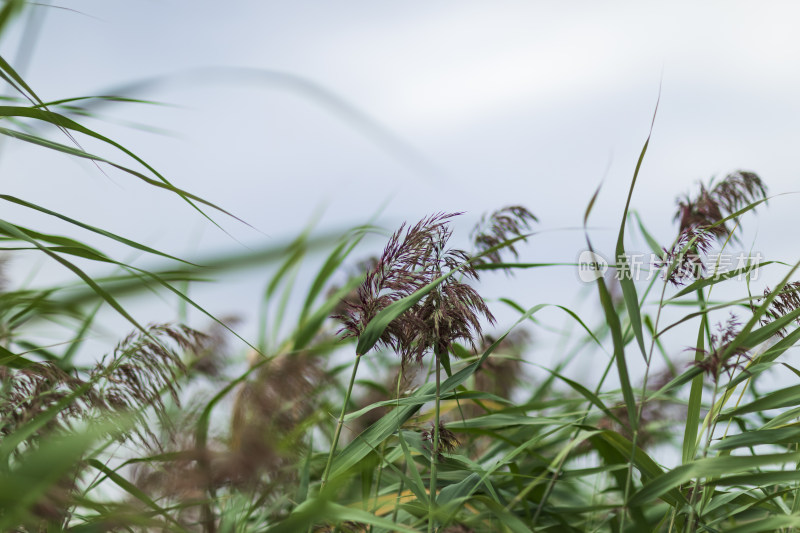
{"points": [[711, 467], [626, 281], [99, 231], [377, 325], [14, 231], [619, 351], [133, 490], [695, 393]]}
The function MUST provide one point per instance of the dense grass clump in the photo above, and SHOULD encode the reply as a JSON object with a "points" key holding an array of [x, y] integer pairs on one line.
{"points": [[394, 400]]}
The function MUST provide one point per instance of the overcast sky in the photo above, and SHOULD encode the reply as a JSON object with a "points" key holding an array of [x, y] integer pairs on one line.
{"points": [[278, 109]]}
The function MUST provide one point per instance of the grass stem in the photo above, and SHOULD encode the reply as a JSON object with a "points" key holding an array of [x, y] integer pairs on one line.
{"points": [[435, 448], [340, 423]]}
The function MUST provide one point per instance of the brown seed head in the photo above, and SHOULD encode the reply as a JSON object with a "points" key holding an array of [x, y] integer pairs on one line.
{"points": [[414, 258], [495, 229], [713, 205]]}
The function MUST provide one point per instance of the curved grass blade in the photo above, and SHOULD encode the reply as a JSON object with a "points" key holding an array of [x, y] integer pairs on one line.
{"points": [[85, 155], [786, 397], [7, 358], [311, 325], [123, 240], [619, 351], [331, 264], [696, 390], [14, 231], [710, 467], [79, 249], [747, 337], [134, 491], [625, 280], [784, 435], [316, 511], [772, 523], [706, 282]]}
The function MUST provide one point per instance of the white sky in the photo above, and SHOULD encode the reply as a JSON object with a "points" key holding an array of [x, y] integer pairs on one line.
{"points": [[507, 102]]}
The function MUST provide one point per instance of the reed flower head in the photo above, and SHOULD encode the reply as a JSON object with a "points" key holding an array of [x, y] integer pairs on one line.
{"points": [[686, 256], [719, 201], [29, 392], [127, 382], [413, 258], [785, 302], [448, 441], [135, 376], [713, 364], [143, 368], [501, 226]]}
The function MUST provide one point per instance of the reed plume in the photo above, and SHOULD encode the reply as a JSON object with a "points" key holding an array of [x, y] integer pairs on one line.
{"points": [[413, 258], [713, 204], [493, 231]]}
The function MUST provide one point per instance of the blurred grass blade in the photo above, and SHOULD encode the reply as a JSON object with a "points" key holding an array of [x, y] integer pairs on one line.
{"points": [[123, 240], [133, 490], [319, 511], [14, 231], [7, 358], [784, 435], [711, 467], [35, 472]]}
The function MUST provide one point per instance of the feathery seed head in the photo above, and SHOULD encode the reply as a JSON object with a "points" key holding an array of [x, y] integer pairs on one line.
{"points": [[499, 227], [448, 441], [785, 302], [414, 258], [686, 255], [713, 364], [713, 205]]}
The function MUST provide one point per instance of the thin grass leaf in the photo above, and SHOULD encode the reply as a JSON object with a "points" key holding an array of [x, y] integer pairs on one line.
{"points": [[773, 523], [123, 240], [628, 288], [9, 10], [316, 511], [329, 267], [134, 491], [10, 359], [695, 393], [14, 231], [78, 152], [786, 397], [415, 482], [784, 435], [619, 351], [719, 278], [711, 467]]}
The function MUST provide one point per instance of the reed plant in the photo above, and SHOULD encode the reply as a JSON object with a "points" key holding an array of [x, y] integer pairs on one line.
{"points": [[376, 398]]}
